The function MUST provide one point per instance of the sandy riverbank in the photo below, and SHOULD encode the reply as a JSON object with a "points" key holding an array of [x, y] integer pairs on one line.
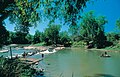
{"points": [[42, 48]]}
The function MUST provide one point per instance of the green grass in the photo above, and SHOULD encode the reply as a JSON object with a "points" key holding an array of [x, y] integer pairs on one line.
{"points": [[40, 44], [78, 44], [116, 47]]}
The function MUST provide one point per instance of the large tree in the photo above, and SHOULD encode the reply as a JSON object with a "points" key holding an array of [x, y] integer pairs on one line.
{"points": [[3, 35], [92, 29], [22, 13], [52, 33], [37, 37], [25, 14], [64, 38]]}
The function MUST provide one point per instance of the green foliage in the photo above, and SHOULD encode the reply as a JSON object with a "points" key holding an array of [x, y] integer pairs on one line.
{"points": [[52, 33], [14, 68], [22, 13], [38, 37], [113, 37], [12, 35], [118, 23], [78, 44], [18, 38], [115, 47], [3, 35], [25, 12], [64, 38], [67, 9], [29, 38], [92, 29], [40, 44]]}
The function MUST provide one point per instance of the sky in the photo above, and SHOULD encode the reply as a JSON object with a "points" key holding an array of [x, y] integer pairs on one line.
{"points": [[108, 8]]}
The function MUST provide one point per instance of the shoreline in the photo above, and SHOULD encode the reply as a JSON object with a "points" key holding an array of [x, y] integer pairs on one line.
{"points": [[43, 48], [102, 49], [107, 50]]}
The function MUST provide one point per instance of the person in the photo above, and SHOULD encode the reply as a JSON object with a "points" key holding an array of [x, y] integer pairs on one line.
{"points": [[42, 55], [16, 56], [24, 54], [105, 53]]}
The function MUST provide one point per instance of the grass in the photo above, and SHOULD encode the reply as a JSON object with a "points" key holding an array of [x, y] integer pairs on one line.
{"points": [[40, 44], [78, 44]]}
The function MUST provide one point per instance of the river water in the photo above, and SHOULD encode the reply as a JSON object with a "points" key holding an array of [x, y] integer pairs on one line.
{"points": [[82, 63], [78, 63]]}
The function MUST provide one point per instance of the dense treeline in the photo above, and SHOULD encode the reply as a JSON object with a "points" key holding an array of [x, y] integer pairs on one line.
{"points": [[90, 32], [51, 36]]}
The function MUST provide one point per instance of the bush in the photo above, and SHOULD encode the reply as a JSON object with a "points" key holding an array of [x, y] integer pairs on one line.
{"points": [[14, 68], [79, 44], [40, 44]]}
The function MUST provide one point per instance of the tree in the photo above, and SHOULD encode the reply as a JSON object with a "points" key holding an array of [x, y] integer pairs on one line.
{"points": [[29, 38], [67, 9], [113, 37], [92, 29], [25, 12], [64, 38], [21, 13], [4, 34], [52, 33], [118, 23], [37, 37]]}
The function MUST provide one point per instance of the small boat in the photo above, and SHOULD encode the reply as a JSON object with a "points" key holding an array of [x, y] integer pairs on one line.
{"points": [[4, 51], [103, 55]]}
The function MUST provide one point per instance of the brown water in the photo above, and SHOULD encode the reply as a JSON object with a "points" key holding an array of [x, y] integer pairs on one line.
{"points": [[82, 63]]}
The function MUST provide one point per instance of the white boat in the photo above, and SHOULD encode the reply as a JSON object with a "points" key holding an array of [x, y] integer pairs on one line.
{"points": [[3, 51]]}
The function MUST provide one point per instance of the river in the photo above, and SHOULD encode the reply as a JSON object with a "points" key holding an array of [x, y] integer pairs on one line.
{"points": [[82, 63], [77, 62]]}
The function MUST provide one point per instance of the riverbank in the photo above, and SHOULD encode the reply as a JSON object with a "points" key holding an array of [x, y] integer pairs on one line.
{"points": [[106, 49], [43, 48]]}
